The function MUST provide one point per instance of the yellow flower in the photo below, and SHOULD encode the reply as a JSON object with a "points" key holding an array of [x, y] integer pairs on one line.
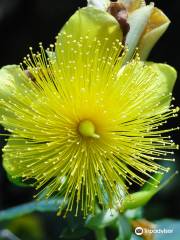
{"points": [[87, 126]]}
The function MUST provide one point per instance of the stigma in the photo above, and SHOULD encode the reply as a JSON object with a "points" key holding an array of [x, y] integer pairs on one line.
{"points": [[87, 129]]}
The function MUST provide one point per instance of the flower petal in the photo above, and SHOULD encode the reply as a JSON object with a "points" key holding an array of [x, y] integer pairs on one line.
{"points": [[9, 164], [92, 23], [137, 21], [167, 76], [10, 78], [157, 25]]}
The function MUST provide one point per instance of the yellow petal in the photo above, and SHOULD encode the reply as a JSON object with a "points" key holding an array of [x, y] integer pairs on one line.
{"points": [[157, 25], [10, 78], [167, 76], [92, 23]]}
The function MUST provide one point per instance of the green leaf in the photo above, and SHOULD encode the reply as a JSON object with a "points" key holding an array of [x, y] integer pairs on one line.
{"points": [[50, 205], [168, 224], [124, 228], [102, 219], [89, 22], [137, 21]]}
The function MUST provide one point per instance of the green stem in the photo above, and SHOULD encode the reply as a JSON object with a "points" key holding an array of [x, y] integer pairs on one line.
{"points": [[166, 182], [100, 234]]}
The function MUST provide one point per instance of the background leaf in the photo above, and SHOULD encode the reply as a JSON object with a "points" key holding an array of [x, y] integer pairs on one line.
{"points": [[50, 205]]}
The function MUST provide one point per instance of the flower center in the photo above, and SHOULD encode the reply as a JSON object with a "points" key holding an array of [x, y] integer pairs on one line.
{"points": [[87, 129]]}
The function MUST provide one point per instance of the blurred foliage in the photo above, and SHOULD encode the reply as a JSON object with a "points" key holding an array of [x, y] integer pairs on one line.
{"points": [[51, 205], [28, 227]]}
